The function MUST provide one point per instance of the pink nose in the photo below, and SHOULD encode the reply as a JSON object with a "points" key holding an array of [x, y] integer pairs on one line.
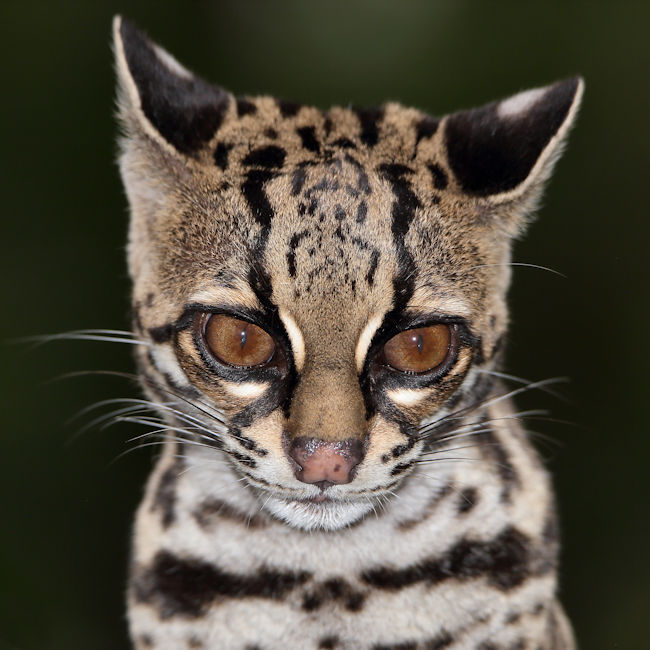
{"points": [[325, 463]]}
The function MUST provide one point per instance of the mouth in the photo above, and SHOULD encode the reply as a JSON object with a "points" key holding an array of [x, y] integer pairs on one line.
{"points": [[317, 512]]}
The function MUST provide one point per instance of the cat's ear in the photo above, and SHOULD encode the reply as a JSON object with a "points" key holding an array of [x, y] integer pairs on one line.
{"points": [[159, 98], [501, 153]]}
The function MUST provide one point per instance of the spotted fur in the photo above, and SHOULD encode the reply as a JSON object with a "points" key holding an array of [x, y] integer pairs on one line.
{"points": [[333, 230]]}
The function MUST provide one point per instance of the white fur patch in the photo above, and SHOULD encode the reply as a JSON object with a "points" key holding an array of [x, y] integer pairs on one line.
{"points": [[295, 336], [171, 63], [246, 390], [406, 396], [166, 362], [365, 339], [520, 103], [317, 516]]}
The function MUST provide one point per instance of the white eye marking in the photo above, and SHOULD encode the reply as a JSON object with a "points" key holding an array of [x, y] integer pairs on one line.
{"points": [[165, 361], [246, 390], [365, 339], [406, 396], [296, 338]]}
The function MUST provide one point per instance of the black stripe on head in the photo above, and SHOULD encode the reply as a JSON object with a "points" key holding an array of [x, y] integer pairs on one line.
{"points": [[245, 107], [308, 136], [253, 190], [221, 155], [438, 175], [425, 128], [186, 111], [287, 108], [268, 157], [369, 119], [406, 202], [178, 586]]}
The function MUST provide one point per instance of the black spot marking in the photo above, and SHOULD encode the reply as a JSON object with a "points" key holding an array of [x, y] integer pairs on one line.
{"points": [[298, 179], [308, 136], [369, 119], [512, 618], [405, 645], [211, 511], [363, 184], [221, 155], [271, 133], [164, 498], [431, 506], [504, 561], [362, 212], [253, 191], [442, 640], [401, 468], [467, 499], [185, 111], [507, 472], [146, 640], [400, 450], [287, 108], [344, 143], [333, 590], [187, 586], [374, 260], [243, 459], [245, 107], [329, 642], [291, 254], [162, 333], [425, 128], [406, 202], [269, 157], [490, 154], [439, 176]]}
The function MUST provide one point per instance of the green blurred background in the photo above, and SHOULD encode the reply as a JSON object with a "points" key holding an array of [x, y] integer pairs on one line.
{"points": [[67, 507]]}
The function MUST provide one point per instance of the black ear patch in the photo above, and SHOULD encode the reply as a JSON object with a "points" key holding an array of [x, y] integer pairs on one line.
{"points": [[185, 110], [493, 149]]}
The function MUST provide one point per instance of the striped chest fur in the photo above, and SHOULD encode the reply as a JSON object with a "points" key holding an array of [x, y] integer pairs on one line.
{"points": [[320, 301]]}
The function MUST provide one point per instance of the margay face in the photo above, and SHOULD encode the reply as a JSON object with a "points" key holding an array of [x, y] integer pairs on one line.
{"points": [[317, 285]]}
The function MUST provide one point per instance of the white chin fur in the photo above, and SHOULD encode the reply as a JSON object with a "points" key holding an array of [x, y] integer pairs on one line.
{"points": [[330, 515]]}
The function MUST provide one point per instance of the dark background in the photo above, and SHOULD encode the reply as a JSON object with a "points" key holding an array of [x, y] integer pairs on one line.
{"points": [[67, 508]]}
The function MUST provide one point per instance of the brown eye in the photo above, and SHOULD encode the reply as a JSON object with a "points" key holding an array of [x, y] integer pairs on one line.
{"points": [[236, 342], [419, 350]]}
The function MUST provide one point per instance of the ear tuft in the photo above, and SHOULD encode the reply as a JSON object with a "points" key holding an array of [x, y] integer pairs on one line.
{"points": [[184, 109], [505, 148]]}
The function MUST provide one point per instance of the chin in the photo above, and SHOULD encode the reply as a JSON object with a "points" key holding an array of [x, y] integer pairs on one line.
{"points": [[328, 514]]}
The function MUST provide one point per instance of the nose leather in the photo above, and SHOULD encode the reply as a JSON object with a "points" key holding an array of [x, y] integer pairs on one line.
{"points": [[323, 462]]}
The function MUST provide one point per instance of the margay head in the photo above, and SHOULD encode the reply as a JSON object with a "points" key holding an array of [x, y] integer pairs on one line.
{"points": [[321, 292]]}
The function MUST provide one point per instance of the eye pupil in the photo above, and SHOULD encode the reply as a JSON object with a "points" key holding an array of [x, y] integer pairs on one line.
{"points": [[419, 350], [235, 342]]}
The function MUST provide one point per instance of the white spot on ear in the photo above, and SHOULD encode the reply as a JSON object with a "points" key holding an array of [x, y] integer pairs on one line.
{"points": [[166, 362], [246, 390], [365, 339], [171, 63], [520, 103], [296, 338], [406, 396]]}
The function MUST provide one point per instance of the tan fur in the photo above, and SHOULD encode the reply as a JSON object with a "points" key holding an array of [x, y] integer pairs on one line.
{"points": [[334, 262]]}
